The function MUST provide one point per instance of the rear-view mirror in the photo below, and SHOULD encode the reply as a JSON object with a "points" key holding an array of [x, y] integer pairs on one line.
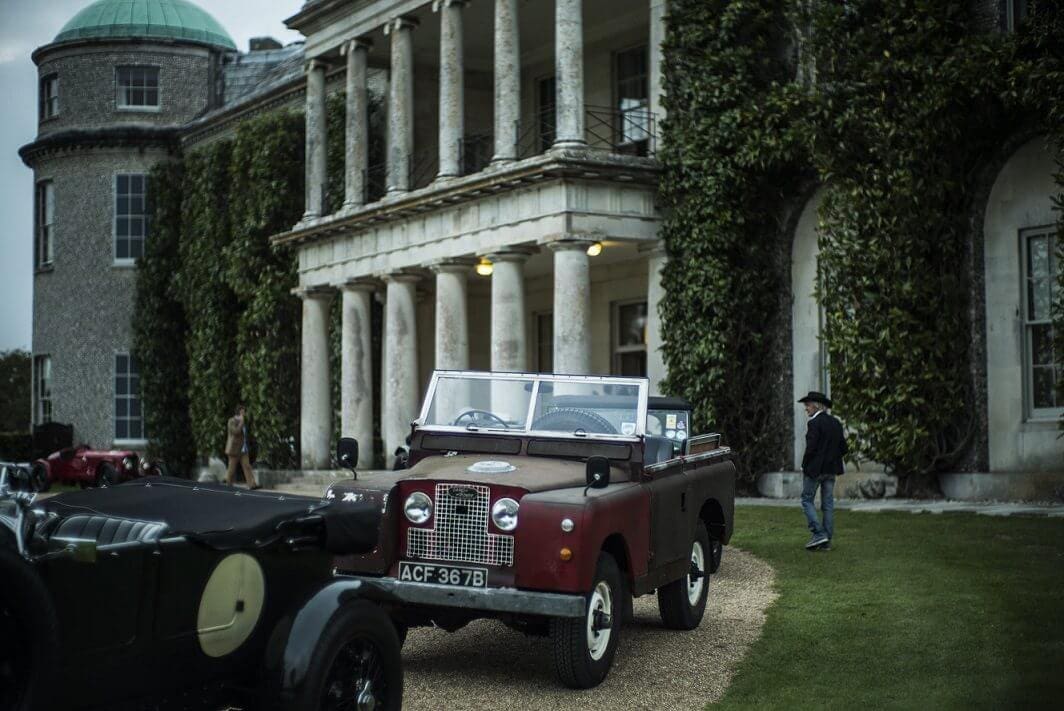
{"points": [[597, 473], [347, 452]]}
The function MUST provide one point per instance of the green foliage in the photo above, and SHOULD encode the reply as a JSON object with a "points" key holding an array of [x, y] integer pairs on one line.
{"points": [[160, 327], [211, 306], [266, 177], [16, 446], [891, 106], [16, 376]]}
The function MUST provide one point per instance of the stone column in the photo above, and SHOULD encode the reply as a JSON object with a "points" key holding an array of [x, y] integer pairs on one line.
{"points": [[569, 70], [572, 307], [399, 394], [452, 314], [400, 103], [509, 348], [316, 140], [356, 368], [452, 96], [658, 8], [315, 411], [356, 149], [507, 79], [655, 292]]}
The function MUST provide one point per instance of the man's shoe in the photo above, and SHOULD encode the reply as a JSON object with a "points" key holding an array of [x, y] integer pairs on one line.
{"points": [[816, 541], [824, 547]]}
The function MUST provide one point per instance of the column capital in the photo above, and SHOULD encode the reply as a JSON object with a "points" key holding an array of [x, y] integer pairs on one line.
{"points": [[355, 44], [438, 4], [459, 265], [572, 243], [361, 284], [324, 293], [402, 276], [511, 254], [655, 248], [400, 23], [316, 63]]}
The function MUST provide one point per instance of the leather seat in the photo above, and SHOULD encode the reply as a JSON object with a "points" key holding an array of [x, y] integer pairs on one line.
{"points": [[657, 450], [107, 530]]}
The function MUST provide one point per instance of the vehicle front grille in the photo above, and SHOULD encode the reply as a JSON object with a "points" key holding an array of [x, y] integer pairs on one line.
{"points": [[460, 529]]}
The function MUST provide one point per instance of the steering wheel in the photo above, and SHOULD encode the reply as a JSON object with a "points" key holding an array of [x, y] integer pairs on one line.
{"points": [[571, 419], [474, 415]]}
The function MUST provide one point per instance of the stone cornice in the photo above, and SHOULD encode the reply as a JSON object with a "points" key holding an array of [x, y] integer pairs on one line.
{"points": [[585, 164], [108, 137]]}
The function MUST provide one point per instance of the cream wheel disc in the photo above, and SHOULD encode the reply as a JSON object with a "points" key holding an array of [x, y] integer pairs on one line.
{"points": [[230, 605]]}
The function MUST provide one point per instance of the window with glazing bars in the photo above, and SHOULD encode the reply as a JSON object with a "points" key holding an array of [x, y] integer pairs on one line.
{"points": [[45, 214], [630, 338], [1041, 372], [49, 97], [631, 88], [138, 87], [42, 374], [131, 216], [129, 421]]}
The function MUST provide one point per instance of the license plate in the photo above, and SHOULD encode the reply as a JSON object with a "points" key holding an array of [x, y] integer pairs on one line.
{"points": [[443, 574]]}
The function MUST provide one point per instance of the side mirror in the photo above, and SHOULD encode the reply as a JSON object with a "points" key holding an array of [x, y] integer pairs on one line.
{"points": [[347, 453], [597, 473]]}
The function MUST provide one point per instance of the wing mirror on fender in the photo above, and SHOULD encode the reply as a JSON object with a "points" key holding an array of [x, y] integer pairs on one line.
{"points": [[347, 454], [597, 473]]}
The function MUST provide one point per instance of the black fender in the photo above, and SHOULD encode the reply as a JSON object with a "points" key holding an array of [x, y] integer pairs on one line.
{"points": [[289, 655]]}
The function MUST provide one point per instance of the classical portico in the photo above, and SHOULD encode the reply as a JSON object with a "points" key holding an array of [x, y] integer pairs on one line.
{"points": [[517, 227]]}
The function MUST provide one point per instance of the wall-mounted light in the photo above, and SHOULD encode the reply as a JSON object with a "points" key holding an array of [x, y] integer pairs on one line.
{"points": [[485, 267], [595, 249]]}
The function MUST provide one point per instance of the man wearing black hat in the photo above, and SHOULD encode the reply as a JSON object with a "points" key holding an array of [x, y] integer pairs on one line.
{"points": [[825, 446]]}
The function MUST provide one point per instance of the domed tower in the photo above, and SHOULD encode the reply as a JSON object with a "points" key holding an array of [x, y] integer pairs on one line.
{"points": [[116, 85]]}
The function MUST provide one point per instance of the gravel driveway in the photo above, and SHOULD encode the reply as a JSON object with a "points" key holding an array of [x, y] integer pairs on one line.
{"points": [[486, 665]]}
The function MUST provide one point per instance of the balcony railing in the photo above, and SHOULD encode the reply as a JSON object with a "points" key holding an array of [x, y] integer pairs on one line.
{"points": [[476, 151]]}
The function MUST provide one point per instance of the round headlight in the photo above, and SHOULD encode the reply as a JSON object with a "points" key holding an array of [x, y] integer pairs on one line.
{"points": [[418, 508], [504, 514], [127, 463]]}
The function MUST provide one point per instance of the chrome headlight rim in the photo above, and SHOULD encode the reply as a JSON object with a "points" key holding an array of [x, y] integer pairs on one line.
{"points": [[504, 513], [129, 462], [418, 500]]}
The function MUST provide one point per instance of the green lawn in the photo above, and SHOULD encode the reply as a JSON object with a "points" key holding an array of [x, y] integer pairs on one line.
{"points": [[908, 611]]}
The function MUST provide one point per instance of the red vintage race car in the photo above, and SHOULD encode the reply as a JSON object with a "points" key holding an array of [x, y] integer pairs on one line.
{"points": [[85, 467]]}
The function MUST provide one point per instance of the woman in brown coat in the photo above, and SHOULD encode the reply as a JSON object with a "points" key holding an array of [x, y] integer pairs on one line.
{"points": [[236, 449]]}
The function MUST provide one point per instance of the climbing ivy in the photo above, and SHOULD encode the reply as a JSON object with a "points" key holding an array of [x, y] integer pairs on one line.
{"points": [[224, 327], [891, 107], [160, 327]]}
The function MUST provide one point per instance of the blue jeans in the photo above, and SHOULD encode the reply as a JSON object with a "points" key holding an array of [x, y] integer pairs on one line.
{"points": [[827, 504]]}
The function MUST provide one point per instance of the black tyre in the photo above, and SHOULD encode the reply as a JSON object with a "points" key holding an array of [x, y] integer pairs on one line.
{"points": [[682, 603], [29, 634], [584, 646], [106, 475], [356, 664], [39, 478]]}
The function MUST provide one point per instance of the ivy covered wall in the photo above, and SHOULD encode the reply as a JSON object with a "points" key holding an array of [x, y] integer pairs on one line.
{"points": [[217, 323], [893, 107]]}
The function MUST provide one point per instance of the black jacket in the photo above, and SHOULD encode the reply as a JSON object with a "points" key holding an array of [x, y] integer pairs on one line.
{"points": [[825, 446]]}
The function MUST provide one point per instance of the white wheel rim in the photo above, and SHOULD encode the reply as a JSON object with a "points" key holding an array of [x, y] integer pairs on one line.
{"points": [[694, 587], [602, 601]]}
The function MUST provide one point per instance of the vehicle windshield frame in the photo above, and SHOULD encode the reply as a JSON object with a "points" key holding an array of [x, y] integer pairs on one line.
{"points": [[642, 384]]}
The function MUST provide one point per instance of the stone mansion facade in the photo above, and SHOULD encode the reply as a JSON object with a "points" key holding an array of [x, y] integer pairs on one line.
{"points": [[513, 227]]}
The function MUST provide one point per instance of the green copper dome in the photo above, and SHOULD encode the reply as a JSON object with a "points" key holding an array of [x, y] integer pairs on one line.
{"points": [[168, 19]]}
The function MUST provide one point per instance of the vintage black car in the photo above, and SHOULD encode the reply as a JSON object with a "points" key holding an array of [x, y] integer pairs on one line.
{"points": [[161, 593]]}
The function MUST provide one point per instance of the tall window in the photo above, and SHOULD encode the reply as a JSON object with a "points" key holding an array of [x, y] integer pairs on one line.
{"points": [[546, 104], [138, 87], [42, 389], [631, 89], [630, 338], [545, 343], [49, 97], [129, 421], [131, 217], [45, 213], [1017, 13], [1040, 268]]}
